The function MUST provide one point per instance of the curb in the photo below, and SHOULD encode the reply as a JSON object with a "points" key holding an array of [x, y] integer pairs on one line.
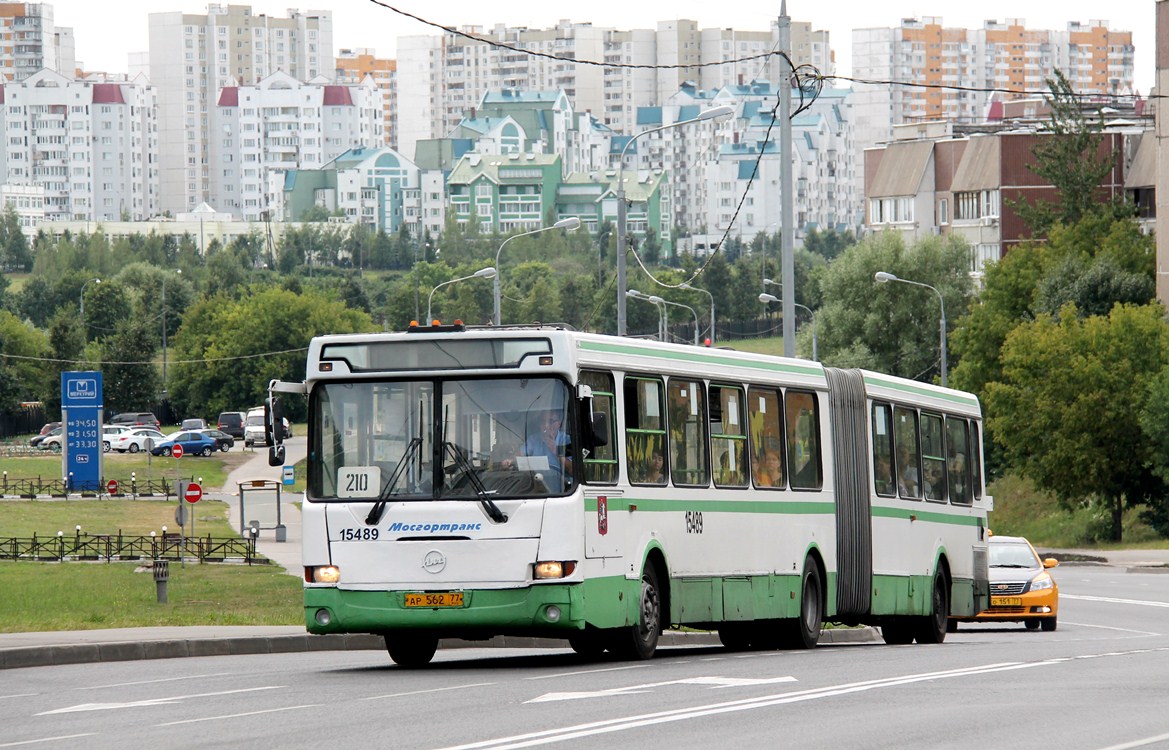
{"points": [[54, 655]]}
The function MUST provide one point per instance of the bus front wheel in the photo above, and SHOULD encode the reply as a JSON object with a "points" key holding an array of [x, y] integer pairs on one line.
{"points": [[804, 631], [639, 641], [931, 628], [411, 650]]}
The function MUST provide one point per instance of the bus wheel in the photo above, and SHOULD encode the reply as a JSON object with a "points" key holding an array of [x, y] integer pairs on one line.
{"points": [[804, 631], [587, 643], [897, 632], [411, 650], [641, 640], [932, 627]]}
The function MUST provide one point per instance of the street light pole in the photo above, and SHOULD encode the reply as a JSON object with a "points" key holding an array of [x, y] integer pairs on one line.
{"points": [[570, 223], [622, 240], [482, 273], [883, 277], [765, 298], [708, 294], [656, 302]]}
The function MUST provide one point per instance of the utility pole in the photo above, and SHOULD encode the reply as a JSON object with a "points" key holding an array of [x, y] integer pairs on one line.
{"points": [[787, 236]]}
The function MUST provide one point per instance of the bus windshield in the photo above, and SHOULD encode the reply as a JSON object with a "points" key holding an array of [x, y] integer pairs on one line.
{"points": [[430, 439]]}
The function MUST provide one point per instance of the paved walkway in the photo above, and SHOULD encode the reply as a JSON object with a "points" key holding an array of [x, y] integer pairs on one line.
{"points": [[286, 553]]}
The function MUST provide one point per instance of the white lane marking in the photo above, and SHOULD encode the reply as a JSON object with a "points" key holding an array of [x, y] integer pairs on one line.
{"points": [[1138, 743], [588, 671], [151, 682], [151, 701], [18, 695], [1114, 600], [434, 690], [633, 722], [236, 716], [712, 682], [1106, 627], [47, 739]]}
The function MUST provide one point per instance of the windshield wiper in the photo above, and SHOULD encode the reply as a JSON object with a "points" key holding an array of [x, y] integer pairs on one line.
{"points": [[375, 513], [468, 470]]}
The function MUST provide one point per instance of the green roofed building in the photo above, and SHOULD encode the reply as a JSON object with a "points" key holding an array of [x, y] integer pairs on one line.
{"points": [[593, 198], [504, 193]]}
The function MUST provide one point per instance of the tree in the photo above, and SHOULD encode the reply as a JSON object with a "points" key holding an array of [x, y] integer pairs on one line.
{"points": [[130, 379], [21, 348], [828, 243], [892, 328], [1078, 434], [14, 252]]}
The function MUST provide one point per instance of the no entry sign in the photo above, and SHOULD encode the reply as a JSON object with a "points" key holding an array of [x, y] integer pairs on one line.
{"points": [[193, 493], [112, 487], [177, 450]]}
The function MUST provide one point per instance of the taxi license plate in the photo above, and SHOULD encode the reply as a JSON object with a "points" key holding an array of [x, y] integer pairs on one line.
{"points": [[447, 599], [1006, 601]]}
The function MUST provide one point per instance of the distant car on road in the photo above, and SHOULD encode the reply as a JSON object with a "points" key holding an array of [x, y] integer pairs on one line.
{"points": [[134, 440], [225, 441], [193, 424], [194, 444], [232, 422], [1021, 589]]}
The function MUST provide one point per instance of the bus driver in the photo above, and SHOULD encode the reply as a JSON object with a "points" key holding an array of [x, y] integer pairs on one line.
{"points": [[550, 441]]}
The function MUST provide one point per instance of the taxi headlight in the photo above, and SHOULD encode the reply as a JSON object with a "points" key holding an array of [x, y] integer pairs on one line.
{"points": [[1042, 582]]}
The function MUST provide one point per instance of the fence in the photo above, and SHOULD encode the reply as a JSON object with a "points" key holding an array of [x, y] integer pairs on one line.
{"points": [[111, 547], [39, 486]]}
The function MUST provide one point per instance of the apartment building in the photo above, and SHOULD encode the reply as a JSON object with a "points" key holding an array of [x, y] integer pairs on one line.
{"points": [[194, 56], [375, 187], [279, 125], [441, 78], [1002, 55], [90, 148], [30, 41], [354, 65]]}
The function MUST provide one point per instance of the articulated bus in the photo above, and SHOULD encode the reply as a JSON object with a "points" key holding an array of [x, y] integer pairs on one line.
{"points": [[474, 482]]}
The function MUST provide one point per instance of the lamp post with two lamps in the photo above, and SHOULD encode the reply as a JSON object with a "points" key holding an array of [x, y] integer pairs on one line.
{"points": [[659, 303], [622, 241], [708, 294], [482, 273], [569, 223], [883, 277], [766, 298]]}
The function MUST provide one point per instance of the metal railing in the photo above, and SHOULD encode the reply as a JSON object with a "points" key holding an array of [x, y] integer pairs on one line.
{"points": [[120, 547], [30, 487]]}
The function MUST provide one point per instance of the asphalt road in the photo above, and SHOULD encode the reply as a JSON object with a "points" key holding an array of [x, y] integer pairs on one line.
{"points": [[1097, 683]]}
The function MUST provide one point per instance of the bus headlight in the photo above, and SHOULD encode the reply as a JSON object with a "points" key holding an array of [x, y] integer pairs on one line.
{"points": [[322, 574], [553, 569]]}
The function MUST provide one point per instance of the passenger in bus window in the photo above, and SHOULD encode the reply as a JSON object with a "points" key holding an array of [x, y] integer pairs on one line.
{"points": [[957, 466], [933, 486], [770, 470], [549, 441], [653, 471], [907, 485], [883, 475]]}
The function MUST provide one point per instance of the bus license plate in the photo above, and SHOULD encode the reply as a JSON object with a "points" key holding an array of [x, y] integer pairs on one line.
{"points": [[447, 599], [1006, 601]]}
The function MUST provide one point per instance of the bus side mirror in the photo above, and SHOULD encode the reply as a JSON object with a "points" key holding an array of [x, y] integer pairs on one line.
{"points": [[600, 427], [276, 455], [274, 422]]}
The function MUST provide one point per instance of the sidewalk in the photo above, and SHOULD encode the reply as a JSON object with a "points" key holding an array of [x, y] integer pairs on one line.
{"points": [[287, 553]]}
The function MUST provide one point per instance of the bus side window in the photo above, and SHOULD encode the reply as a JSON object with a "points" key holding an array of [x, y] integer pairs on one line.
{"points": [[958, 463], [976, 460], [601, 466], [883, 451], [728, 439], [933, 458], [687, 424], [644, 425], [907, 458], [803, 441], [765, 428]]}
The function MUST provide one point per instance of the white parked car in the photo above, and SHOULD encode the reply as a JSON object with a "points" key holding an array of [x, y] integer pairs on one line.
{"points": [[109, 432], [135, 440]]}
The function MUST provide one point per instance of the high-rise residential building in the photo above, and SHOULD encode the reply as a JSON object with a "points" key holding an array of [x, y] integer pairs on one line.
{"points": [[30, 41], [91, 147], [194, 56], [279, 125], [354, 65], [441, 78], [1000, 55]]}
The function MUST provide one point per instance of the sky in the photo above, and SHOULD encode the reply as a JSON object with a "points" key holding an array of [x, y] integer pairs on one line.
{"points": [[104, 39]]}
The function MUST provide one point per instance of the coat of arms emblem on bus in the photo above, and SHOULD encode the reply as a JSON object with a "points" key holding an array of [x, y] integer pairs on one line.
{"points": [[602, 515]]}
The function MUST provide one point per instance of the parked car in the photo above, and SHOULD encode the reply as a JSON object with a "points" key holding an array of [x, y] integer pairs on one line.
{"points": [[109, 432], [254, 427], [1021, 589], [36, 440], [194, 444], [224, 440], [48, 427], [53, 441], [134, 440], [193, 424], [232, 422], [136, 419]]}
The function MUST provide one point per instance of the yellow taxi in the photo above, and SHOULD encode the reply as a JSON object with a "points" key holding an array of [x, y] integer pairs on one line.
{"points": [[1021, 588]]}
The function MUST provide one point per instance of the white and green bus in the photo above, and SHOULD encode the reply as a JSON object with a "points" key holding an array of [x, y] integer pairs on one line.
{"points": [[537, 481]]}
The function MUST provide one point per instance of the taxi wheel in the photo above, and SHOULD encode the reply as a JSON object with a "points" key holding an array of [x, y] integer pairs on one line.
{"points": [[1049, 624], [411, 650], [1032, 624]]}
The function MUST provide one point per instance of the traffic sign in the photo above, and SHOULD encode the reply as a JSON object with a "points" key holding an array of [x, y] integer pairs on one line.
{"points": [[112, 487], [193, 493], [177, 451]]}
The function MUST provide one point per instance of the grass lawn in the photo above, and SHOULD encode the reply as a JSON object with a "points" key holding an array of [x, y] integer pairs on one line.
{"points": [[213, 469]]}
